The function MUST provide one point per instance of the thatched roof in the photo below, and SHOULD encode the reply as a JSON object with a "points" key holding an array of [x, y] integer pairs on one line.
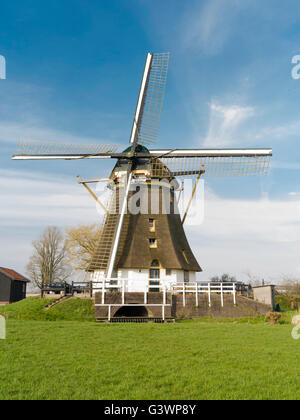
{"points": [[173, 250]]}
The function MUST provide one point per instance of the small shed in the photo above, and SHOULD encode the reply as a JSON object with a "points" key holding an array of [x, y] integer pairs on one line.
{"points": [[12, 286], [265, 294]]}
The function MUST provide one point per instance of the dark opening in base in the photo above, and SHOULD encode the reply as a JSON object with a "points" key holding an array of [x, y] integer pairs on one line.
{"points": [[132, 311]]}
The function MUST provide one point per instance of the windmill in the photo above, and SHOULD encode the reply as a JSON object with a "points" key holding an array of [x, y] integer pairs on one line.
{"points": [[151, 246]]}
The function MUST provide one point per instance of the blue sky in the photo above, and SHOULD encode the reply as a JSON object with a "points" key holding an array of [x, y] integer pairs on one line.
{"points": [[73, 73]]}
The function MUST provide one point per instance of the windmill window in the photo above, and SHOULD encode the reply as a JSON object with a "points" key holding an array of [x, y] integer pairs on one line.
{"points": [[155, 264], [153, 243], [168, 272], [152, 225], [186, 276]]}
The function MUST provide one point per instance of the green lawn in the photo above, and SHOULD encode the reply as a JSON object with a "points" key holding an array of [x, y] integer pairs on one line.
{"points": [[186, 360], [33, 309]]}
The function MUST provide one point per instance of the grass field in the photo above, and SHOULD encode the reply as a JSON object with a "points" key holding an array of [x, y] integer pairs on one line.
{"points": [[186, 360], [33, 309]]}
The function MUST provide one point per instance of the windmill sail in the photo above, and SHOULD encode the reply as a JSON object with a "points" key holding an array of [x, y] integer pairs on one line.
{"points": [[105, 256], [38, 150], [108, 229], [215, 163], [150, 102]]}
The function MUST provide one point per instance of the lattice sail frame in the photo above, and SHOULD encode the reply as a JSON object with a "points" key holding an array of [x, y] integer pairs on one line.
{"points": [[214, 166], [56, 149], [149, 121], [108, 225]]}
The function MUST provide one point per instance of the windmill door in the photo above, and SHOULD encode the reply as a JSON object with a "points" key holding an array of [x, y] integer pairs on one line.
{"points": [[154, 279]]}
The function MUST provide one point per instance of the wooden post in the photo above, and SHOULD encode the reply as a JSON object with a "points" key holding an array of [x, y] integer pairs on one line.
{"points": [[234, 293], [197, 297], [209, 295], [95, 197], [222, 296], [109, 313], [91, 289], [146, 293], [103, 291], [191, 199], [183, 295], [163, 313], [72, 290], [123, 291], [42, 290]]}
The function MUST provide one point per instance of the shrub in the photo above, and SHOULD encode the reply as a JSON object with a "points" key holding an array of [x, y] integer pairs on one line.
{"points": [[273, 317]]}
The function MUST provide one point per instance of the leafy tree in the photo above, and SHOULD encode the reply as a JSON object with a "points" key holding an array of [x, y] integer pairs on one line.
{"points": [[81, 245], [48, 261]]}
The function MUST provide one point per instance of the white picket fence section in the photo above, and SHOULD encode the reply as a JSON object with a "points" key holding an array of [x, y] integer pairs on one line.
{"points": [[123, 285], [194, 288], [209, 289]]}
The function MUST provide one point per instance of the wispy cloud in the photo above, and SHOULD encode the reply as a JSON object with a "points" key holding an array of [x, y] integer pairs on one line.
{"points": [[12, 132], [224, 124], [31, 201], [37, 200], [233, 125], [209, 27], [278, 131], [261, 235]]}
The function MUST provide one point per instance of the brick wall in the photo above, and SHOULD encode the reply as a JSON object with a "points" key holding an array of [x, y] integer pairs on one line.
{"points": [[245, 308]]}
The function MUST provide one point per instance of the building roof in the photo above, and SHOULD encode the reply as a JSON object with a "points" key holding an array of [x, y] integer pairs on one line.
{"points": [[13, 275]]}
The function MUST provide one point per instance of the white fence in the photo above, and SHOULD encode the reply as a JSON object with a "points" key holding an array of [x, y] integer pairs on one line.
{"points": [[209, 289], [195, 288], [123, 286]]}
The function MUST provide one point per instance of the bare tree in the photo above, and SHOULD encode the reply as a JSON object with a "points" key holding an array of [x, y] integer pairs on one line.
{"points": [[48, 261], [291, 284], [224, 278], [253, 279], [81, 245]]}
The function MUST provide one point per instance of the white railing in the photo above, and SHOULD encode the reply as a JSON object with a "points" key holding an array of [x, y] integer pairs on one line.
{"points": [[123, 285], [209, 289]]}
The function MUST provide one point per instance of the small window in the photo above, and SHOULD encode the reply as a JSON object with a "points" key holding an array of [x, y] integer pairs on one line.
{"points": [[153, 243], [152, 225], [155, 263], [168, 272]]}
